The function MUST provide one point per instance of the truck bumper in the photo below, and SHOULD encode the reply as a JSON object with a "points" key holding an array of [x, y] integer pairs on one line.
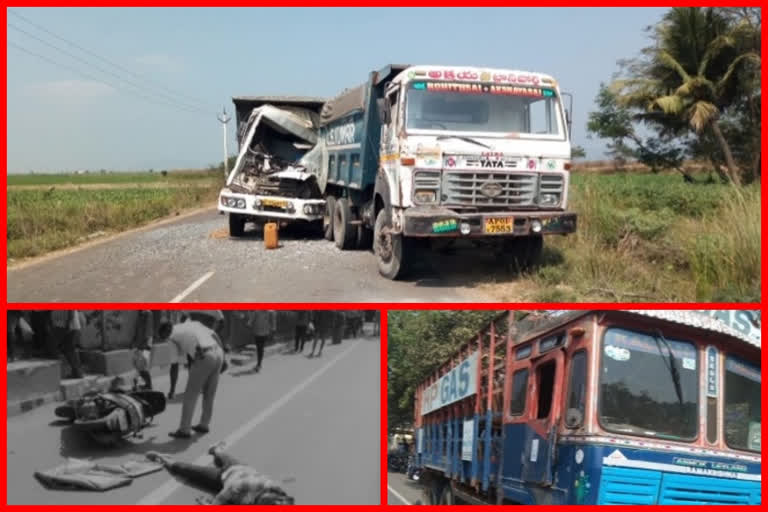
{"points": [[271, 207], [443, 222]]}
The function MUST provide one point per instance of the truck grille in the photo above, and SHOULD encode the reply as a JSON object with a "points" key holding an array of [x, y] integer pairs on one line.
{"points": [[624, 486], [465, 188]]}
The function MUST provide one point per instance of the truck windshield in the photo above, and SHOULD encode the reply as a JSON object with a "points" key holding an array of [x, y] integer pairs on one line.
{"points": [[648, 385], [742, 405], [530, 112]]}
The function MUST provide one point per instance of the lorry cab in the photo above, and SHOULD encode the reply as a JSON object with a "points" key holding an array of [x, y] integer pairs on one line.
{"points": [[603, 407], [473, 153]]}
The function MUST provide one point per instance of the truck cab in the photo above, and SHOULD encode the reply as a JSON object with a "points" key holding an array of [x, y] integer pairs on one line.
{"points": [[475, 153], [598, 407], [268, 181]]}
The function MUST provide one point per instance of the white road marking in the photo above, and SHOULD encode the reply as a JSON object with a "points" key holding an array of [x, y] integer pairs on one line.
{"points": [[398, 495], [162, 493], [192, 287]]}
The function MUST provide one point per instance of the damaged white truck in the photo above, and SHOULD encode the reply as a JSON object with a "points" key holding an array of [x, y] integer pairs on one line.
{"points": [[415, 154]]}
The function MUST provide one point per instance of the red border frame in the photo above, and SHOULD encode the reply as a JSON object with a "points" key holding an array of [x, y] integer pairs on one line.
{"points": [[383, 307]]}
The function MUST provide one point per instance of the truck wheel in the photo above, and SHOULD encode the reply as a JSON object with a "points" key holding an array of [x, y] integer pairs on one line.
{"points": [[330, 206], [343, 232], [447, 498], [364, 238], [236, 225], [388, 248], [432, 491]]}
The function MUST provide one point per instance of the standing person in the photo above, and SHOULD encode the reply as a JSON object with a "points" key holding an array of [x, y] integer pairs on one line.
{"points": [[172, 318], [66, 330], [40, 323], [339, 323], [302, 326], [323, 322], [14, 336], [142, 346], [202, 346], [264, 325]]}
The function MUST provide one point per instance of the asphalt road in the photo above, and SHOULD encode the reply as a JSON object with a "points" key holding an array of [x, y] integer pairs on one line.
{"points": [[192, 259], [401, 490], [312, 423]]}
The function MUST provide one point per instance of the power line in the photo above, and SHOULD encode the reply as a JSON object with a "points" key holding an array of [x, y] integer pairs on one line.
{"points": [[86, 62], [104, 59], [91, 77]]}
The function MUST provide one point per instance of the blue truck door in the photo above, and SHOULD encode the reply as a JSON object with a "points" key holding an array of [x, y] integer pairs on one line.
{"points": [[541, 434]]}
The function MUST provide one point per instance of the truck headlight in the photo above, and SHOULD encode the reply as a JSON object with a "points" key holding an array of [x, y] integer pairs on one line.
{"points": [[549, 199], [289, 207], [310, 209], [241, 203], [424, 196], [257, 204]]}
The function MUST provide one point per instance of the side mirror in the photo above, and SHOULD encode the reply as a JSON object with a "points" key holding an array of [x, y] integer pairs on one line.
{"points": [[383, 105], [569, 113]]}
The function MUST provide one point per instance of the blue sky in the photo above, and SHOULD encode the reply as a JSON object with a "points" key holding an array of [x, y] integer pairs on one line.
{"points": [[59, 120]]}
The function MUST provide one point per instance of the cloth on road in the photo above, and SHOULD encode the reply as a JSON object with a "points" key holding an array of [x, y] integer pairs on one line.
{"points": [[83, 474]]}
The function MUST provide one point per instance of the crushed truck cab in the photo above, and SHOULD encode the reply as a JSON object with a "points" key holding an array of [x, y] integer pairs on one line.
{"points": [[268, 181]]}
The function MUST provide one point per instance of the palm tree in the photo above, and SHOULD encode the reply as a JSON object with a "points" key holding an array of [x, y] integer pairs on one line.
{"points": [[687, 79]]}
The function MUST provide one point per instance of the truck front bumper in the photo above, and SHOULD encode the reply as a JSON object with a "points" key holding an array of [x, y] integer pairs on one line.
{"points": [[443, 222], [271, 207]]}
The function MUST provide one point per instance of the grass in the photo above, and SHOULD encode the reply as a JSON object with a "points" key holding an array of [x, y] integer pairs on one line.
{"points": [[111, 177], [648, 238], [41, 221]]}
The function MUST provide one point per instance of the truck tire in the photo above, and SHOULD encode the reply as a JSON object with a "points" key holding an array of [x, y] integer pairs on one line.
{"points": [[447, 497], [432, 491], [344, 233], [330, 206], [389, 249], [236, 225], [364, 238]]}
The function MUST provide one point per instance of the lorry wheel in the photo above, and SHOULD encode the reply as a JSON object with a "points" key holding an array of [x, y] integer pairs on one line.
{"points": [[364, 238], [344, 233], [388, 248], [447, 497], [236, 225], [330, 205]]}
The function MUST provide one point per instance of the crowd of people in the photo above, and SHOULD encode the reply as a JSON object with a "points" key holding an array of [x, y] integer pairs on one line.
{"points": [[199, 341]]}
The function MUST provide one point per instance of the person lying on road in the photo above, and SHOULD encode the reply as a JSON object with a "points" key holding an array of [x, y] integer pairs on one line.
{"points": [[232, 482]]}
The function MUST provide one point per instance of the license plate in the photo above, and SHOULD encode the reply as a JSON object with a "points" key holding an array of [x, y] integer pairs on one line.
{"points": [[274, 203], [496, 225]]}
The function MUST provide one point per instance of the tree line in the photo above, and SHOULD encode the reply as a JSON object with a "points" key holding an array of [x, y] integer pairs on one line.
{"points": [[693, 94]]}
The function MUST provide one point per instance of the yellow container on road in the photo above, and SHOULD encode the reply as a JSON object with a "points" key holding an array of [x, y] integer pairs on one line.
{"points": [[270, 235]]}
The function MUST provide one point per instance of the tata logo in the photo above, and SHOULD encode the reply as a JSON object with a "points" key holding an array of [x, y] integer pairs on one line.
{"points": [[494, 164], [491, 189]]}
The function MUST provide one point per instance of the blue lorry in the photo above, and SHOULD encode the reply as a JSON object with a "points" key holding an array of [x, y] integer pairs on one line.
{"points": [[596, 407]]}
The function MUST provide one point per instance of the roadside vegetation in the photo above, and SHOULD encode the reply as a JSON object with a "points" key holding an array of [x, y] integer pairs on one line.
{"points": [[646, 237], [48, 218]]}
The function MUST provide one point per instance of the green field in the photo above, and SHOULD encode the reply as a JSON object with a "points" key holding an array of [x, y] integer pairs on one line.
{"points": [[41, 221], [110, 177], [646, 238]]}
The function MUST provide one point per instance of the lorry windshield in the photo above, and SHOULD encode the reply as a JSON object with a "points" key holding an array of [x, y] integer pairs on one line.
{"points": [[742, 405], [530, 112], [648, 385]]}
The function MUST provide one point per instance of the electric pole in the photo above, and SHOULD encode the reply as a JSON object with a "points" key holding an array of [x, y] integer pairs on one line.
{"points": [[224, 119]]}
